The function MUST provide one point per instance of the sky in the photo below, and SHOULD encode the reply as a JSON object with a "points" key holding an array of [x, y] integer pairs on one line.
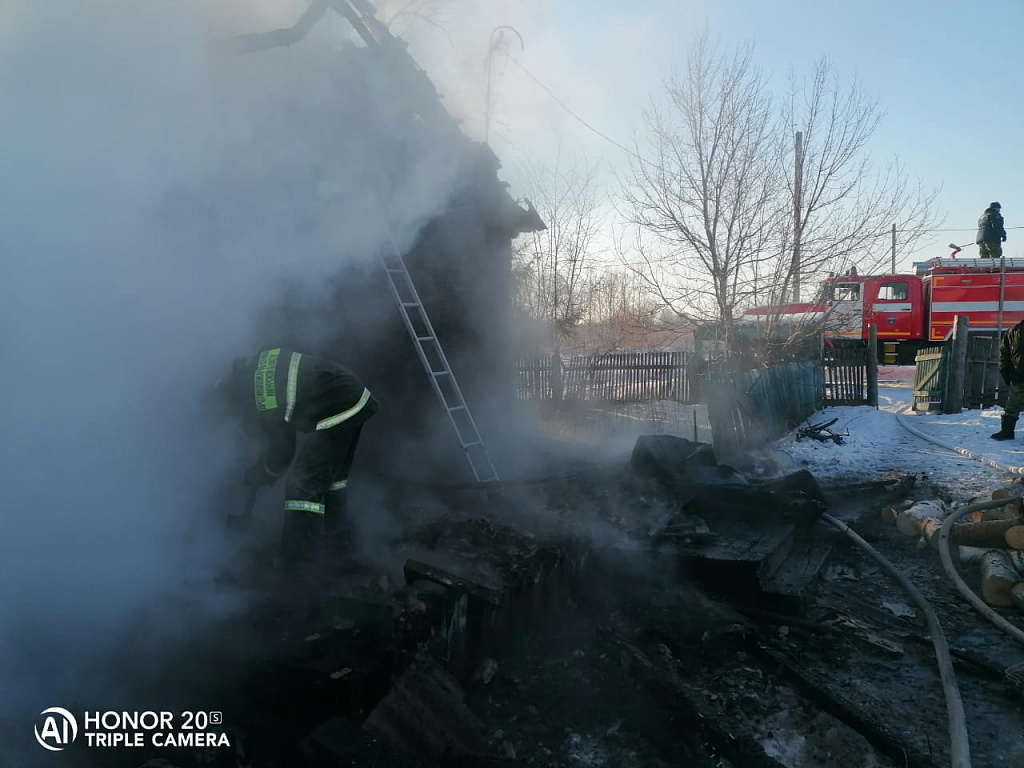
{"points": [[943, 74]]}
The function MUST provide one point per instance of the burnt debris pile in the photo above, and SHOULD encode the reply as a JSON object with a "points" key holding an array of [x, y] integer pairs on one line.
{"points": [[493, 643]]}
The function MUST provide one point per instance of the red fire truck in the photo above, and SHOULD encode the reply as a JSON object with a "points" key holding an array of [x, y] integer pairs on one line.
{"points": [[914, 311]]}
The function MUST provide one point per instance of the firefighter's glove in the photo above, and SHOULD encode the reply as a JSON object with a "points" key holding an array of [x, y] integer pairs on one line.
{"points": [[257, 476]]}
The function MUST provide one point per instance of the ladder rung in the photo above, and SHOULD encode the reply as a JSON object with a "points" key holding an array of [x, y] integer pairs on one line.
{"points": [[457, 408], [472, 445], [425, 338], [410, 304], [440, 373], [395, 269]]}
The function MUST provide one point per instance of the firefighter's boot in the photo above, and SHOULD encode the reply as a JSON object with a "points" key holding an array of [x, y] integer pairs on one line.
{"points": [[301, 538], [337, 527], [1007, 425]]}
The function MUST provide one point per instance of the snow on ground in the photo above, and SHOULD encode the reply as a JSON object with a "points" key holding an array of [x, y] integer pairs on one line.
{"points": [[877, 445]]}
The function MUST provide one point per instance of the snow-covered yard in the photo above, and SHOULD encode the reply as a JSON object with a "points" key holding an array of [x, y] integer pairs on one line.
{"points": [[878, 444]]}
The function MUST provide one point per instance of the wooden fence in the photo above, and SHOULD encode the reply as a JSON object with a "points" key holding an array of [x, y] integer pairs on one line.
{"points": [[933, 377], [626, 377], [848, 373], [983, 386], [752, 409]]}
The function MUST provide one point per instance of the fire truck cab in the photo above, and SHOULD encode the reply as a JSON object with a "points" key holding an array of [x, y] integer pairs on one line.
{"points": [[894, 303], [913, 311]]}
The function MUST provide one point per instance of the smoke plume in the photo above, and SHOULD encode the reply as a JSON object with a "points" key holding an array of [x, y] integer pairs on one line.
{"points": [[159, 194]]}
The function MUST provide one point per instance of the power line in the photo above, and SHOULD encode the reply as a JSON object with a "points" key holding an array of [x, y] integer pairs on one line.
{"points": [[962, 229], [572, 114]]}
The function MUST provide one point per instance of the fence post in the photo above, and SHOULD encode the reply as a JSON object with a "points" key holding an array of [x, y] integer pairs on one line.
{"points": [[954, 396], [556, 376], [872, 365]]}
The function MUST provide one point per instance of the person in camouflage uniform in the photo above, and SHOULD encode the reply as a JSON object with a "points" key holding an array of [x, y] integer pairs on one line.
{"points": [[991, 232], [1011, 367]]}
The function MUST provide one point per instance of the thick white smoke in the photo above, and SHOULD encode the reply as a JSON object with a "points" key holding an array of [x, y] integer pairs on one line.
{"points": [[157, 194]]}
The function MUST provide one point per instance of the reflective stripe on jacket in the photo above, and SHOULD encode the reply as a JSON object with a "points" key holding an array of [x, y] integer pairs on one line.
{"points": [[293, 392], [308, 392]]}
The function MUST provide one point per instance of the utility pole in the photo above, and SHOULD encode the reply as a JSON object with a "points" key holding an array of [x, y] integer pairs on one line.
{"points": [[798, 183], [894, 249]]}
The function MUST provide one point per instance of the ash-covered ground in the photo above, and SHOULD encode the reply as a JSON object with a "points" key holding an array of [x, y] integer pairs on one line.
{"points": [[544, 625]]}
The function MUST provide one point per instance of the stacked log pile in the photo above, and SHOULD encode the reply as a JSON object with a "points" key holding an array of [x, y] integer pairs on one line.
{"points": [[991, 540]]}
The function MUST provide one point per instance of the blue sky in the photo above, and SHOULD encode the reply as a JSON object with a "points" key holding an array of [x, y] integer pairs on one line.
{"points": [[944, 73]]}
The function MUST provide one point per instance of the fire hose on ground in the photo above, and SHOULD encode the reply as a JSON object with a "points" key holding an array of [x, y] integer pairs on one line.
{"points": [[959, 749], [947, 527], [962, 451]]}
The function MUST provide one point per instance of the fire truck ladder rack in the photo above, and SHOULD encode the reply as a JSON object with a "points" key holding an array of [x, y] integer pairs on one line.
{"points": [[435, 363], [992, 264]]}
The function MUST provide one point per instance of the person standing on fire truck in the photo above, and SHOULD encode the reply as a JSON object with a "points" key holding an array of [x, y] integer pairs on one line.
{"points": [[991, 232], [279, 393], [1011, 367]]}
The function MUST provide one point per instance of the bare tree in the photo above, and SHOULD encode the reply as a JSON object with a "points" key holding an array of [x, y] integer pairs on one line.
{"points": [[709, 196], [552, 265], [713, 208], [620, 311], [848, 204]]}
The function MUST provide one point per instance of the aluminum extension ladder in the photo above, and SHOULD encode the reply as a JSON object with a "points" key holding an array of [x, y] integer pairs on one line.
{"points": [[435, 363]]}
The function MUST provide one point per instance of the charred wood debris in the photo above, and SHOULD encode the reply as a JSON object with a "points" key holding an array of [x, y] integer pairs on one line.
{"points": [[671, 611], [822, 432]]}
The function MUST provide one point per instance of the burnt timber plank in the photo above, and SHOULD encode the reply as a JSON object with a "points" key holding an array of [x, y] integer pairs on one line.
{"points": [[795, 581], [740, 557], [414, 570]]}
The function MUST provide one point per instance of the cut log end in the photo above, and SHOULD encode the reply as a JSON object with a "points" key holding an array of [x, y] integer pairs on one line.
{"points": [[998, 578], [929, 529], [1015, 536], [890, 512]]}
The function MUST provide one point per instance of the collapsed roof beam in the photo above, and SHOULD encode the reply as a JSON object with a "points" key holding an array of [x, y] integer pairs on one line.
{"points": [[360, 14], [262, 41]]}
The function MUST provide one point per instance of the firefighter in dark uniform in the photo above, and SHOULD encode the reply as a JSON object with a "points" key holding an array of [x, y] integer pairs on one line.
{"points": [[282, 392], [1011, 367], [991, 232]]}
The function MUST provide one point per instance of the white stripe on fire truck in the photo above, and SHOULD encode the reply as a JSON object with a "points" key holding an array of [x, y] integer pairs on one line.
{"points": [[891, 307], [977, 306]]}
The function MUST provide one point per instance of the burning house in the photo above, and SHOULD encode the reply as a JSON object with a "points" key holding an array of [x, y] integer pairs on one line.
{"points": [[601, 611], [421, 189]]}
